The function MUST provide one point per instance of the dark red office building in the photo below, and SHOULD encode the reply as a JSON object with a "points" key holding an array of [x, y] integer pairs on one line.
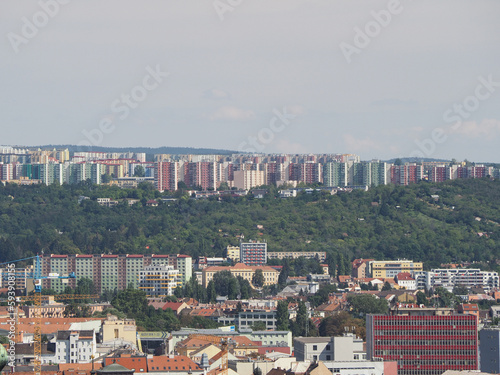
{"points": [[424, 344]]}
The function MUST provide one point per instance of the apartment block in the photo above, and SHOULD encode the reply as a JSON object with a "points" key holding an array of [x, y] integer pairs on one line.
{"points": [[319, 255], [75, 346], [240, 269], [253, 253], [21, 278], [233, 253], [406, 174], [159, 280], [109, 272], [336, 174], [391, 268], [202, 173], [449, 278], [166, 175], [247, 179]]}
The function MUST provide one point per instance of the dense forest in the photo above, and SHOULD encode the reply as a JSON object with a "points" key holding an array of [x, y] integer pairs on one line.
{"points": [[435, 223]]}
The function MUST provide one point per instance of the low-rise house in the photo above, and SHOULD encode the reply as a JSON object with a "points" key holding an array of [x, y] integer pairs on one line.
{"points": [[75, 346], [405, 281]]}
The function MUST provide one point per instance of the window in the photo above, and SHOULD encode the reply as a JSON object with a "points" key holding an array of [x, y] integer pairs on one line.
{"points": [[315, 347], [328, 358]]}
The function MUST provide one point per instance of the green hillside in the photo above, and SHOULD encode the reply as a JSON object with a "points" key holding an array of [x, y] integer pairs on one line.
{"points": [[387, 222]]}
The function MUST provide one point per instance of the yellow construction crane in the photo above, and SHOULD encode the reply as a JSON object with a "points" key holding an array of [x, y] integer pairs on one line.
{"points": [[37, 336], [216, 340], [37, 302]]}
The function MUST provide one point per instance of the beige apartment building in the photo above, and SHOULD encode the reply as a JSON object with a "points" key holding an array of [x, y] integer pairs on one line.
{"points": [[270, 274]]}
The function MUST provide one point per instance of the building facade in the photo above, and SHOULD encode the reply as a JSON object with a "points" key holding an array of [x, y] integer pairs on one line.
{"points": [[391, 268], [424, 344], [449, 278], [253, 253], [159, 280], [270, 274], [319, 255], [109, 272], [489, 339]]}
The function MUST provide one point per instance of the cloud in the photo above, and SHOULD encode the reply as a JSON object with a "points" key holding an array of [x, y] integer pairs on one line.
{"points": [[286, 146], [229, 113], [295, 110], [216, 94], [391, 102], [473, 129], [356, 144]]}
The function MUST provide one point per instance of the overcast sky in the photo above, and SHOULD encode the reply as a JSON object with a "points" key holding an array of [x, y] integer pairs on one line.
{"points": [[381, 79]]}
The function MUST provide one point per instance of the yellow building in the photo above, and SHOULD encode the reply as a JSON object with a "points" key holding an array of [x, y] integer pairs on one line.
{"points": [[233, 253], [118, 329], [270, 274], [391, 268]]}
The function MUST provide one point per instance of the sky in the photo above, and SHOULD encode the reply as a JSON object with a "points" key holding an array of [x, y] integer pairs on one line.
{"points": [[381, 79]]}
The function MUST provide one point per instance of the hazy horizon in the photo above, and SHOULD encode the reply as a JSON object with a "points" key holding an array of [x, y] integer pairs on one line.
{"points": [[381, 79]]}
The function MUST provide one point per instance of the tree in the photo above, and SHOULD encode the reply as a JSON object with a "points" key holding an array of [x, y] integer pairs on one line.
{"points": [[282, 320], [445, 298], [76, 310], [226, 284], [258, 279], [363, 304], [211, 292], [285, 270], [387, 286], [139, 171], [336, 325], [298, 327], [422, 299], [223, 186], [106, 178], [85, 286], [259, 326], [460, 290]]}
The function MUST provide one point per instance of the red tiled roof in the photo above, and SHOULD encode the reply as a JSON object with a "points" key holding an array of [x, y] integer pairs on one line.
{"points": [[138, 364], [175, 364], [77, 367], [404, 276], [172, 305]]}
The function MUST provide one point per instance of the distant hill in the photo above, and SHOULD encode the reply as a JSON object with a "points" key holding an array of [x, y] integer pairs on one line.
{"points": [[147, 150], [454, 221], [417, 160]]}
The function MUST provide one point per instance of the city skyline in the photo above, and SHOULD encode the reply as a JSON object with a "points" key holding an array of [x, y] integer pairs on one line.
{"points": [[382, 79]]}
